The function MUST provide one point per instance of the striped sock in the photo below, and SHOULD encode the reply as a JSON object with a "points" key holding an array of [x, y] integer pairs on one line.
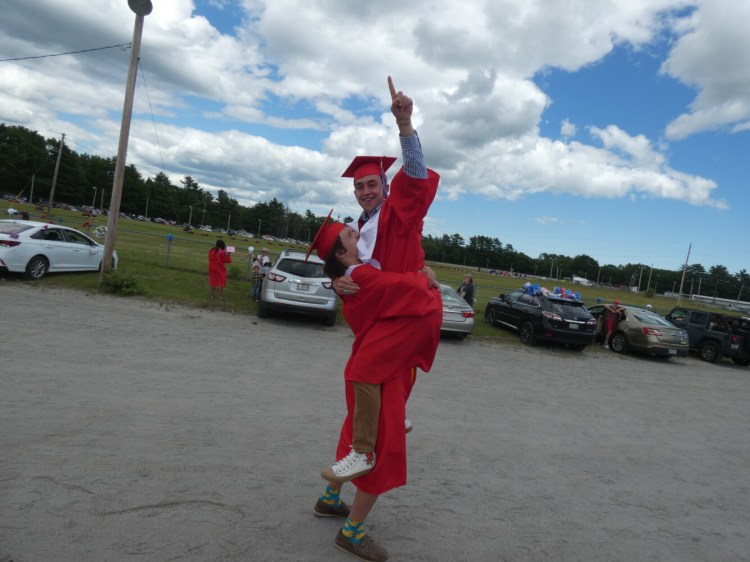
{"points": [[353, 530], [331, 497]]}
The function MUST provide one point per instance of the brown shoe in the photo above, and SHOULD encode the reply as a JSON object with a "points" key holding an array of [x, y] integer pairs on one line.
{"points": [[366, 550], [322, 509]]}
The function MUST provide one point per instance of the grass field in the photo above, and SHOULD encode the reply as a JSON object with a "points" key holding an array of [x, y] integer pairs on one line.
{"points": [[175, 272]]}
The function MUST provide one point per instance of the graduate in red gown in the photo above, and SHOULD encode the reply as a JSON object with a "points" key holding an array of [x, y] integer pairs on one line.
{"points": [[218, 257], [390, 230]]}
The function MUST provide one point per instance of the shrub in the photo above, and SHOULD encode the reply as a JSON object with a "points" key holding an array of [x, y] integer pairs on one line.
{"points": [[233, 272], [121, 284], [650, 292]]}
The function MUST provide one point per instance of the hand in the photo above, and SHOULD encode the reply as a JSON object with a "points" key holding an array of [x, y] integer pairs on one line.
{"points": [[402, 107], [427, 270], [345, 286]]}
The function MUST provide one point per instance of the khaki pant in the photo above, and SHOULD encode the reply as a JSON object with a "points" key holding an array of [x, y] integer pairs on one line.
{"points": [[366, 414]]}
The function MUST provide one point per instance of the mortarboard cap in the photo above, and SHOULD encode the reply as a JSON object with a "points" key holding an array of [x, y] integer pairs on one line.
{"points": [[326, 236], [363, 166]]}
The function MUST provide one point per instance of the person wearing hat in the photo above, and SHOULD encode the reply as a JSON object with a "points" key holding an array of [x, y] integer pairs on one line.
{"points": [[390, 226], [372, 443], [265, 261], [611, 318]]}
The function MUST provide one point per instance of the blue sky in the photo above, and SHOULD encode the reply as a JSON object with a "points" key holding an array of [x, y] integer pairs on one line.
{"points": [[615, 129]]}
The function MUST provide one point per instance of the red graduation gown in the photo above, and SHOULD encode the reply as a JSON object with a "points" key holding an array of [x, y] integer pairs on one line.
{"points": [[399, 339], [217, 270]]}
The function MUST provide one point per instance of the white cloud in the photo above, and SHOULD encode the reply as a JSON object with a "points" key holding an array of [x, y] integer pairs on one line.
{"points": [[469, 67]]}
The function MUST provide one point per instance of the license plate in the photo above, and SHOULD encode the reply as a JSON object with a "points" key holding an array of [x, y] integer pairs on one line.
{"points": [[735, 346], [573, 326], [303, 286], [673, 352]]}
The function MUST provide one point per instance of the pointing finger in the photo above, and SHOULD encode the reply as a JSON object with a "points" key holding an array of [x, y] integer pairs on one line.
{"points": [[392, 88]]}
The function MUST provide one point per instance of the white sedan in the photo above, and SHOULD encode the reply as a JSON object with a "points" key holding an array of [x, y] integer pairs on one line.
{"points": [[38, 248]]}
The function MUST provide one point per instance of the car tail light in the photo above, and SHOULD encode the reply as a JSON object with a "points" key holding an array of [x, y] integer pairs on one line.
{"points": [[10, 243], [468, 313], [735, 339], [327, 284], [552, 316], [275, 277], [652, 332]]}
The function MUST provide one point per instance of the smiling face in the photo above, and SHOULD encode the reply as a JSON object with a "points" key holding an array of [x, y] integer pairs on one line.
{"points": [[369, 192], [348, 238]]}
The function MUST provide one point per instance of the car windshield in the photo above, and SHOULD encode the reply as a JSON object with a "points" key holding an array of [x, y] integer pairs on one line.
{"points": [[13, 228], [646, 317], [299, 268], [566, 307]]}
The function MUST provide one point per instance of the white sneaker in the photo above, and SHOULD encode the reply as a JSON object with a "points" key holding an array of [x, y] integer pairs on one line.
{"points": [[352, 465], [605, 346], [408, 426]]}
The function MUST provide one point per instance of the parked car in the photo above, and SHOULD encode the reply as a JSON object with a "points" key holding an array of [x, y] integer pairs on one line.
{"points": [[458, 316], [37, 248], [293, 285], [714, 335], [643, 331], [543, 317]]}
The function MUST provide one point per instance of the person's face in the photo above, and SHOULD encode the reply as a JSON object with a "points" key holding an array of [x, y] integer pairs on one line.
{"points": [[349, 240], [369, 192]]}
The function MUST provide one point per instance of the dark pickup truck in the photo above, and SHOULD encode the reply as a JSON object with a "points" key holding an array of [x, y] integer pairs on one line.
{"points": [[714, 335]]}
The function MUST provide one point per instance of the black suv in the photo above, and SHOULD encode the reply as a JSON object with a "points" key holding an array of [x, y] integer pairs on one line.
{"points": [[545, 317], [714, 335]]}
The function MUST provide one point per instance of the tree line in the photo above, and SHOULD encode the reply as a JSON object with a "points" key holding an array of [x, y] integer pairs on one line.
{"points": [[27, 161]]}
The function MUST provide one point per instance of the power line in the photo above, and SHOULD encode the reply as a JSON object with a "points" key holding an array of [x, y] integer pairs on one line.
{"points": [[123, 46]]}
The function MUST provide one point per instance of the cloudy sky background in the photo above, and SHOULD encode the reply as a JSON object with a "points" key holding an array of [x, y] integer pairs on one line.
{"points": [[617, 129]]}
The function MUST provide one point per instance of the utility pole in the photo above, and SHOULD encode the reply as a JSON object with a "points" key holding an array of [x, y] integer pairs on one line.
{"points": [[228, 221], [31, 197], [54, 178], [684, 270], [141, 8], [640, 277]]}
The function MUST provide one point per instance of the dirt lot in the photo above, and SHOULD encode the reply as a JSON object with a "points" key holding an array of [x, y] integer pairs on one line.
{"points": [[133, 431]]}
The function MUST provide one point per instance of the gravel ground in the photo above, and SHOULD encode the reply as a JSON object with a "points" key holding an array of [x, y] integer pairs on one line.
{"points": [[134, 431]]}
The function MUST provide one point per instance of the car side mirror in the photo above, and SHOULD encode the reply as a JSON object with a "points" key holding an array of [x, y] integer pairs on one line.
{"points": [[501, 296]]}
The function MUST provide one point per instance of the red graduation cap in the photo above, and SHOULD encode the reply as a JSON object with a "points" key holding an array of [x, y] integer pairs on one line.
{"points": [[363, 166], [326, 236]]}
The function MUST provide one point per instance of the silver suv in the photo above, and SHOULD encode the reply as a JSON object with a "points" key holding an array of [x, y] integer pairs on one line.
{"points": [[292, 285]]}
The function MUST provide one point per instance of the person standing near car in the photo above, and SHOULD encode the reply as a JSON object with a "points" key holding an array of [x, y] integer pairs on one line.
{"points": [[390, 233], [265, 261], [611, 317], [466, 290], [217, 268]]}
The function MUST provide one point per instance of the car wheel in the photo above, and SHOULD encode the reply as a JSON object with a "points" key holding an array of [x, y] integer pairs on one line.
{"points": [[741, 362], [37, 267], [709, 351], [576, 347], [330, 319], [527, 333], [619, 343], [489, 317], [262, 310]]}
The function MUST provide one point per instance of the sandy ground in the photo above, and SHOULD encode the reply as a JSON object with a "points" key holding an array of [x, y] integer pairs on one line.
{"points": [[133, 431]]}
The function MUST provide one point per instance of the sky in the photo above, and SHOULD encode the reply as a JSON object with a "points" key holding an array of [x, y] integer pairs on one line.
{"points": [[619, 129]]}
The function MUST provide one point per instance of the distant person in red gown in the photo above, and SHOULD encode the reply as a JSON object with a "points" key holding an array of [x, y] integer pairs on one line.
{"points": [[218, 258]]}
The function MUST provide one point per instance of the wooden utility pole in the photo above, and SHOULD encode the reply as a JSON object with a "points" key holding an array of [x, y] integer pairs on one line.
{"points": [[54, 178], [141, 8]]}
